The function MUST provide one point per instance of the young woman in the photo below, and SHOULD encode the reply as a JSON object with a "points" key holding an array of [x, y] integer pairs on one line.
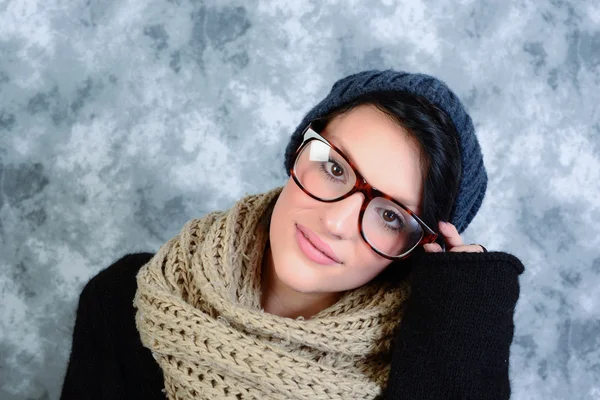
{"points": [[343, 284]]}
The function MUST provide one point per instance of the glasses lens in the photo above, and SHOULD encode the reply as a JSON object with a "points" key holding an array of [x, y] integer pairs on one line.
{"points": [[323, 172], [389, 228]]}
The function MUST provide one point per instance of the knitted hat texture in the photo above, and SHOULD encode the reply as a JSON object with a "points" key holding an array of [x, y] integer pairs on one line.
{"points": [[473, 183]]}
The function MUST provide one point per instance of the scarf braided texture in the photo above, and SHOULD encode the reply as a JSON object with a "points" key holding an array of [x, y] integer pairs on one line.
{"points": [[199, 312]]}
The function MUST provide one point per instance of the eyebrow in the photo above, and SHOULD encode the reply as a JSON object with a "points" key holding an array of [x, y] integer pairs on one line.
{"points": [[341, 147]]}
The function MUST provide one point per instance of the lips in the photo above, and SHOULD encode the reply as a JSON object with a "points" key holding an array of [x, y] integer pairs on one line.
{"points": [[318, 243]]}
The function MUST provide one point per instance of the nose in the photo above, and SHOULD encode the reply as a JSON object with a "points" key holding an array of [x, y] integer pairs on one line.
{"points": [[341, 218]]}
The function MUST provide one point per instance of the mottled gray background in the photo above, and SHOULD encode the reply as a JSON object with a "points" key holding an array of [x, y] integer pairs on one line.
{"points": [[120, 120]]}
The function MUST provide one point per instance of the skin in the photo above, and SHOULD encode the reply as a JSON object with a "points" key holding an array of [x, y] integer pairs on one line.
{"points": [[389, 158]]}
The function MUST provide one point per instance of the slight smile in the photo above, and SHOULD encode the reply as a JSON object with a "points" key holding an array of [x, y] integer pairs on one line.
{"points": [[314, 248]]}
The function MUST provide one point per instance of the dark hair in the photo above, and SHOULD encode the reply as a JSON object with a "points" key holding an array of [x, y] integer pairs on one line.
{"points": [[438, 140]]}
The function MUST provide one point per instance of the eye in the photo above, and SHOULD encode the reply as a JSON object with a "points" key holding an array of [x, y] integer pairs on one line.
{"points": [[389, 216], [390, 219], [336, 169]]}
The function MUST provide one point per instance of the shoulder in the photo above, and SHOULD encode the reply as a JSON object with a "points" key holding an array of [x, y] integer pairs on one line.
{"points": [[117, 282], [125, 268], [107, 352]]}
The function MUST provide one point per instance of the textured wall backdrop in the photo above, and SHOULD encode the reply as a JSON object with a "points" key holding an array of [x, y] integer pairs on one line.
{"points": [[120, 120]]}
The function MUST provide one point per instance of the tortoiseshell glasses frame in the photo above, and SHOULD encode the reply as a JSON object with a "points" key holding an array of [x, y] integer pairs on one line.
{"points": [[360, 186]]}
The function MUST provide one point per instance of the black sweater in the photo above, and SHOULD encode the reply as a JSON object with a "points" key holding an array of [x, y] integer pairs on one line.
{"points": [[452, 343]]}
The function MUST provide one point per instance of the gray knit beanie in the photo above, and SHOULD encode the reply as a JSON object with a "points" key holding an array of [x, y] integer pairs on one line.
{"points": [[473, 183]]}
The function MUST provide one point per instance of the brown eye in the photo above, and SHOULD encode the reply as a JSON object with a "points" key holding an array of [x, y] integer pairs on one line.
{"points": [[336, 170], [389, 216]]}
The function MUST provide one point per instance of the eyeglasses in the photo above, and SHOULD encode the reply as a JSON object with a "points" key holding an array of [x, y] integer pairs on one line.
{"points": [[324, 173]]}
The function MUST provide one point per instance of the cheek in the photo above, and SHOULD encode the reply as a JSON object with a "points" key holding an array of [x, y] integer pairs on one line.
{"points": [[292, 199], [364, 267]]}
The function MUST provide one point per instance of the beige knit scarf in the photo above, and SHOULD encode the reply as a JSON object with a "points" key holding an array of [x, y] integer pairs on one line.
{"points": [[199, 311]]}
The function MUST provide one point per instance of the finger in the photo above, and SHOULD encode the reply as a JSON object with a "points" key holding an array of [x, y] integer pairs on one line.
{"points": [[450, 234], [432, 248], [472, 248]]}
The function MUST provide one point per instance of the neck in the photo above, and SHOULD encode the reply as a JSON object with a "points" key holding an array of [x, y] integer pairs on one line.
{"points": [[280, 299]]}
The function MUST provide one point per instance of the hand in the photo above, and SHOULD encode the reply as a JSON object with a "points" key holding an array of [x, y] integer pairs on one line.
{"points": [[454, 242]]}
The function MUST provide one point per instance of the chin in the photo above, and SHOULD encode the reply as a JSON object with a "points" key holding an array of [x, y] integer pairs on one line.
{"points": [[303, 278]]}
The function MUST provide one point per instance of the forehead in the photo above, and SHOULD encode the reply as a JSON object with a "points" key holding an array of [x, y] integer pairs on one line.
{"points": [[384, 153]]}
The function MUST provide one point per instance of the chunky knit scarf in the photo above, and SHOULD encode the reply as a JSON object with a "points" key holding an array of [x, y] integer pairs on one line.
{"points": [[199, 311]]}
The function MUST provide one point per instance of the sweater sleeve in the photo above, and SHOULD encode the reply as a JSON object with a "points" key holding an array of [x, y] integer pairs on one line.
{"points": [[455, 336]]}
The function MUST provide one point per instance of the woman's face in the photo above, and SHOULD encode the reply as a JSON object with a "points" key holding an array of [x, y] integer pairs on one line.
{"points": [[389, 159]]}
